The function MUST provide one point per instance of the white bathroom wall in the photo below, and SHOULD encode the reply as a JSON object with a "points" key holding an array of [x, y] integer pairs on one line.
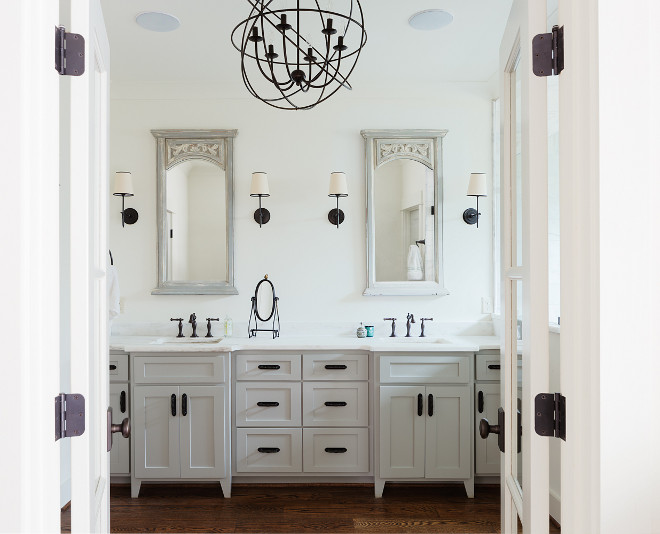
{"points": [[319, 271]]}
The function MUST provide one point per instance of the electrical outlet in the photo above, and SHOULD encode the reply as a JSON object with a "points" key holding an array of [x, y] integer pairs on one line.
{"points": [[486, 305]]}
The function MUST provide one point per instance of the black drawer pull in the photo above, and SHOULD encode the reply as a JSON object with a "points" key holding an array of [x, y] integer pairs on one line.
{"points": [[122, 402], [336, 450], [430, 405], [494, 366], [173, 404], [268, 404], [481, 402], [113, 367], [269, 450], [184, 404], [336, 403], [420, 404], [336, 366], [273, 367]]}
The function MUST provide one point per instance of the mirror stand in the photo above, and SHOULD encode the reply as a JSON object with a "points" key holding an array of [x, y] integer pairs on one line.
{"points": [[274, 313]]}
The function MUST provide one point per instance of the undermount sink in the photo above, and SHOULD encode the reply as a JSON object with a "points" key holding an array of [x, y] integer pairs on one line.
{"points": [[203, 340], [413, 339]]}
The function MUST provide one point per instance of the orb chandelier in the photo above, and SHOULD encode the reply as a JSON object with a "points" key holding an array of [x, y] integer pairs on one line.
{"points": [[296, 54]]}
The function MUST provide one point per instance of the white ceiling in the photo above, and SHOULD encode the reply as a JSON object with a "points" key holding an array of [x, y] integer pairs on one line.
{"points": [[395, 54]]}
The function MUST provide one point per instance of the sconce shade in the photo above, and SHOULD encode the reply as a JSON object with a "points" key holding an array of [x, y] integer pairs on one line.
{"points": [[338, 185], [123, 184], [477, 186], [259, 187]]}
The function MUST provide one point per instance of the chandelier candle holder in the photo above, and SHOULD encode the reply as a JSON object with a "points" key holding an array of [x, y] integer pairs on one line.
{"points": [[297, 57]]}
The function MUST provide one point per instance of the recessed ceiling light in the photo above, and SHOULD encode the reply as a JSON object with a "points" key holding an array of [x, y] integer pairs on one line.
{"points": [[157, 22], [430, 19]]}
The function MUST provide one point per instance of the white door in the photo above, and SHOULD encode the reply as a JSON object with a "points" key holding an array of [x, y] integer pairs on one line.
{"points": [[524, 474], [89, 251]]}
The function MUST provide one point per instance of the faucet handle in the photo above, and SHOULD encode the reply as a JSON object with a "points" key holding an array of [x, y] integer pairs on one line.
{"points": [[426, 319], [180, 319], [208, 326], [389, 318]]}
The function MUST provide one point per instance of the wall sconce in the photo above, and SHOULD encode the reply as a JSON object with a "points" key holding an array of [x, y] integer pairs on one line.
{"points": [[338, 188], [259, 188], [476, 188], [124, 188]]}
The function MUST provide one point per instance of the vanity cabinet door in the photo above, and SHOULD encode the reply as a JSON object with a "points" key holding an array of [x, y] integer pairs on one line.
{"points": [[202, 427], [487, 454], [448, 450], [156, 436], [120, 454], [402, 431]]}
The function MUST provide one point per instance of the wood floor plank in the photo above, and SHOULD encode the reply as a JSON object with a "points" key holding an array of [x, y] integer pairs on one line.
{"points": [[286, 508]]}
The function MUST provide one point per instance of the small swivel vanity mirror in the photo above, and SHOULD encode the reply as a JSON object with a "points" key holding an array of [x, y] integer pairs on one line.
{"points": [[404, 212], [195, 212]]}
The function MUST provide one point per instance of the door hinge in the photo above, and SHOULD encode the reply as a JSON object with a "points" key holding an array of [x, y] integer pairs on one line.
{"points": [[548, 52], [69, 415], [69, 52], [550, 415]]}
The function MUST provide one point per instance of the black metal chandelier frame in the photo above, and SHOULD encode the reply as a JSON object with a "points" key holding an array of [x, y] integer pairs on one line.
{"points": [[311, 68]]}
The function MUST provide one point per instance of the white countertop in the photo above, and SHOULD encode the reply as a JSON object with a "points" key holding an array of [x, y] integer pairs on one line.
{"points": [[163, 344]]}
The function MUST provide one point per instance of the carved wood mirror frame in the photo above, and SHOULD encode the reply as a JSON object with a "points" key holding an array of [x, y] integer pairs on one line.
{"points": [[379, 151], [174, 147]]}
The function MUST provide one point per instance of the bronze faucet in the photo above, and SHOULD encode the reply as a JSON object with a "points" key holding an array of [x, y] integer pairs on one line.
{"points": [[410, 319], [193, 322]]}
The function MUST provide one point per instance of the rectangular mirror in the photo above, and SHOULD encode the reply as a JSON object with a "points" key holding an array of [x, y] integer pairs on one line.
{"points": [[404, 212], [195, 212]]}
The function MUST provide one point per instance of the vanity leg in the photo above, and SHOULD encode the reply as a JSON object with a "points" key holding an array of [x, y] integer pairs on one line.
{"points": [[379, 485], [135, 487], [469, 487], [225, 484]]}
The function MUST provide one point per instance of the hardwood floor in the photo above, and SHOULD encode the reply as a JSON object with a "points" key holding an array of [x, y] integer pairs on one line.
{"points": [[304, 508]]}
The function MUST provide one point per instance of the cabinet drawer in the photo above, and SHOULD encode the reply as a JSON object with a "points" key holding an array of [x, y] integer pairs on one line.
{"points": [[179, 369], [268, 367], [450, 369], [335, 404], [336, 450], [118, 367], [335, 367], [263, 404], [488, 366], [268, 450]]}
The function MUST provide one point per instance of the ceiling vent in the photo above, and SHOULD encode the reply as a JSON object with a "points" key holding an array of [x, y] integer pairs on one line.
{"points": [[157, 22], [431, 19]]}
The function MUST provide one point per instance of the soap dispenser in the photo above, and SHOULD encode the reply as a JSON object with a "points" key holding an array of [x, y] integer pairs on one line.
{"points": [[361, 331], [229, 326]]}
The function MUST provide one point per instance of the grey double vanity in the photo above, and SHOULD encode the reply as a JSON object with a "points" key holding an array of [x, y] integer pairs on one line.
{"points": [[305, 410]]}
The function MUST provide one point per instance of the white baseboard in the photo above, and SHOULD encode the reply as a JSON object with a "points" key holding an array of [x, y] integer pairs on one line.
{"points": [[555, 506]]}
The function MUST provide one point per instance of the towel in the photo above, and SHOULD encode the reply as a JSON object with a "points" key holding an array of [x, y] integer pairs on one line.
{"points": [[113, 292], [415, 263]]}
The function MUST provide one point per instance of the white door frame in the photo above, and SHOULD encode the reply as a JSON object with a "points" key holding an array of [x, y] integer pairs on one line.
{"points": [[610, 260], [29, 240], [90, 477]]}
